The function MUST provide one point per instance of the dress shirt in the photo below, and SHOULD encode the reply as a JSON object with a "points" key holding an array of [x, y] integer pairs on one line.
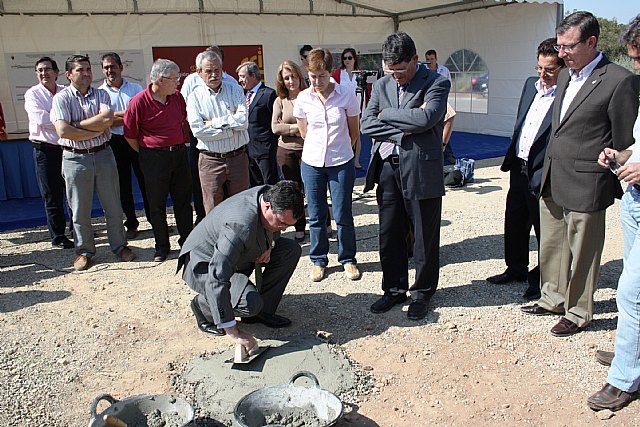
{"points": [[576, 82], [350, 84], [71, 106], [194, 80], [153, 123], [37, 103], [327, 142], [443, 71], [536, 114], [228, 111], [120, 98]]}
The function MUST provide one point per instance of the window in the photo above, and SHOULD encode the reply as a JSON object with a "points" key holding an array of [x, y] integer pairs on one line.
{"points": [[469, 81]]}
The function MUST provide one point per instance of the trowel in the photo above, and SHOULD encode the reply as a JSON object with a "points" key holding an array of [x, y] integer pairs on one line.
{"points": [[242, 356]]}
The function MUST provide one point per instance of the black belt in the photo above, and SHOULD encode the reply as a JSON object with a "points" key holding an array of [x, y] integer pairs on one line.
{"points": [[394, 159], [524, 163], [169, 148], [42, 145], [85, 150], [226, 155]]}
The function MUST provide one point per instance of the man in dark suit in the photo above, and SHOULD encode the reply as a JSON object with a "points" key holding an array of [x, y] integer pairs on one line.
{"points": [[263, 143], [524, 161], [595, 107], [223, 250], [405, 117]]}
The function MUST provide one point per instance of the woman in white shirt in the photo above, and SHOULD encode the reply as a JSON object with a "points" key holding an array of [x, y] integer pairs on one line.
{"points": [[346, 77]]}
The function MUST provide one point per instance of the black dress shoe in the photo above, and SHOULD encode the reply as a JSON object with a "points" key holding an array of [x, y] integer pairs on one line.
{"points": [[536, 310], [160, 256], [565, 328], [532, 293], [203, 324], [506, 277], [386, 302], [417, 310], [611, 398], [270, 320], [63, 243]]}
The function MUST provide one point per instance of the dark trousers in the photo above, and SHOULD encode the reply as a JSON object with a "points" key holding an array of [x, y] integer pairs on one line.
{"points": [[126, 159], [167, 172], [263, 170], [398, 216], [194, 154], [522, 212], [48, 161], [289, 161]]}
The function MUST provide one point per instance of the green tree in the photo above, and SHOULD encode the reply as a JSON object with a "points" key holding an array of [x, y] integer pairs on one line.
{"points": [[609, 41]]}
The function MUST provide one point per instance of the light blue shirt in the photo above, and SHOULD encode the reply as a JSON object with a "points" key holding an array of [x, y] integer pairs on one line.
{"points": [[194, 80], [120, 98]]}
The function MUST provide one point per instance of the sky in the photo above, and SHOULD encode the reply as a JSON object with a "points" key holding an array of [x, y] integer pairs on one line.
{"points": [[622, 10]]}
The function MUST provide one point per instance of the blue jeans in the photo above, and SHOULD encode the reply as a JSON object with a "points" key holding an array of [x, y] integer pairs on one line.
{"points": [[340, 180], [625, 368], [83, 173]]}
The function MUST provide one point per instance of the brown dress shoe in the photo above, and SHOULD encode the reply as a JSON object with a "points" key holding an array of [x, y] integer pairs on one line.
{"points": [[604, 357], [81, 263], [565, 328], [610, 398], [126, 254], [536, 310]]}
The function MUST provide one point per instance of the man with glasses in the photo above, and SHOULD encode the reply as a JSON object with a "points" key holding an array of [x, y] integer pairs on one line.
{"points": [[82, 116], [153, 126], [47, 151], [405, 116], [431, 60], [595, 108], [524, 161], [225, 248], [121, 91]]}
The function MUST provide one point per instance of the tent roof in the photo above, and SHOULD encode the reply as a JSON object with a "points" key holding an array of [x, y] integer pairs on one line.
{"points": [[399, 11]]}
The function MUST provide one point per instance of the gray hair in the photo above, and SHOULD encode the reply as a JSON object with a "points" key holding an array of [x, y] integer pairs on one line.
{"points": [[252, 68], [209, 55], [162, 68], [631, 33]]}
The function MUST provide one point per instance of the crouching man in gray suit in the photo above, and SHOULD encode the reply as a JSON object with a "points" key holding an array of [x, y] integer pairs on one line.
{"points": [[225, 248]]}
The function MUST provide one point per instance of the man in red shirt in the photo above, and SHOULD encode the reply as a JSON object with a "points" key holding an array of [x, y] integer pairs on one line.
{"points": [[153, 126]]}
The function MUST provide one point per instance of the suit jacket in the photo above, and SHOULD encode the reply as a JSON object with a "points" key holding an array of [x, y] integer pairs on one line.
{"points": [[539, 146], [601, 115], [226, 241], [421, 152], [262, 141]]}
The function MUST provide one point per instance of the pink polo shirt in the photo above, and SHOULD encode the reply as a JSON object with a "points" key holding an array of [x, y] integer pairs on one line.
{"points": [[153, 124], [327, 142]]}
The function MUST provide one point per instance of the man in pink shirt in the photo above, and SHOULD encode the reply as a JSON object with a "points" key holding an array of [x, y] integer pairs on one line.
{"points": [[153, 126], [47, 152]]}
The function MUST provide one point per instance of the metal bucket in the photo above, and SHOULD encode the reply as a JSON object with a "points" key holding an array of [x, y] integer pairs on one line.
{"points": [[259, 407], [135, 410]]}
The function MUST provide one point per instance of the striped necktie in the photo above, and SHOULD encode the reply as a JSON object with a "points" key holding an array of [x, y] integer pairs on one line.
{"points": [[249, 98], [386, 148]]}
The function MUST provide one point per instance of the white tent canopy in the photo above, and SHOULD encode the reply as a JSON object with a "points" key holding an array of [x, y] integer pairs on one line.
{"points": [[504, 33]]}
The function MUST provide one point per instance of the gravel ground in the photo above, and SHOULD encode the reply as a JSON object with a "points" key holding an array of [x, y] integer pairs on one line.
{"points": [[126, 328]]}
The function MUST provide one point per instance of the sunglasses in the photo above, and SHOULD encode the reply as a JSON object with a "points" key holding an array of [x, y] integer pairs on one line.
{"points": [[347, 58]]}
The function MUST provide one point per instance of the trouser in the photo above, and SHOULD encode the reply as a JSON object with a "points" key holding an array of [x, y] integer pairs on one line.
{"points": [[222, 178], [126, 159], [263, 170], [167, 172], [48, 161], [289, 162], [84, 173], [194, 154], [397, 217]]}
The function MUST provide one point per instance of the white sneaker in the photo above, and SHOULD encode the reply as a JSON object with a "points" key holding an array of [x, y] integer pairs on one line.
{"points": [[352, 272], [317, 273]]}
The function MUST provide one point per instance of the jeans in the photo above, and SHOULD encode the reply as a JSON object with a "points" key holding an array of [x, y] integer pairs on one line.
{"points": [[84, 173], [340, 180], [48, 161], [625, 368]]}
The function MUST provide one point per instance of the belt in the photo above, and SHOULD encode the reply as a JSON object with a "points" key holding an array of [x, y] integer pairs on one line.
{"points": [[394, 159], [85, 150], [226, 155], [524, 163], [169, 148], [42, 145]]}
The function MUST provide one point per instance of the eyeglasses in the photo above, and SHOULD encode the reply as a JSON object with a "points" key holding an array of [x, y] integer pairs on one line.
{"points": [[43, 70], [567, 47], [400, 71], [544, 70], [175, 79], [347, 58]]}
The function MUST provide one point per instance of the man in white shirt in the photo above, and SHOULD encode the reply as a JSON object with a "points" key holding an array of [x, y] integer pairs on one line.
{"points": [[431, 59], [121, 91], [217, 116], [46, 148]]}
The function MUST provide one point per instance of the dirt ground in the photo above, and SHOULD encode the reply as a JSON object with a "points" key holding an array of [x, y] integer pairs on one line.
{"points": [[126, 328]]}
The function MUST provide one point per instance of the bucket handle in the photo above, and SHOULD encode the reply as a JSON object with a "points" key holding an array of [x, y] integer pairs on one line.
{"points": [[307, 374], [94, 404]]}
